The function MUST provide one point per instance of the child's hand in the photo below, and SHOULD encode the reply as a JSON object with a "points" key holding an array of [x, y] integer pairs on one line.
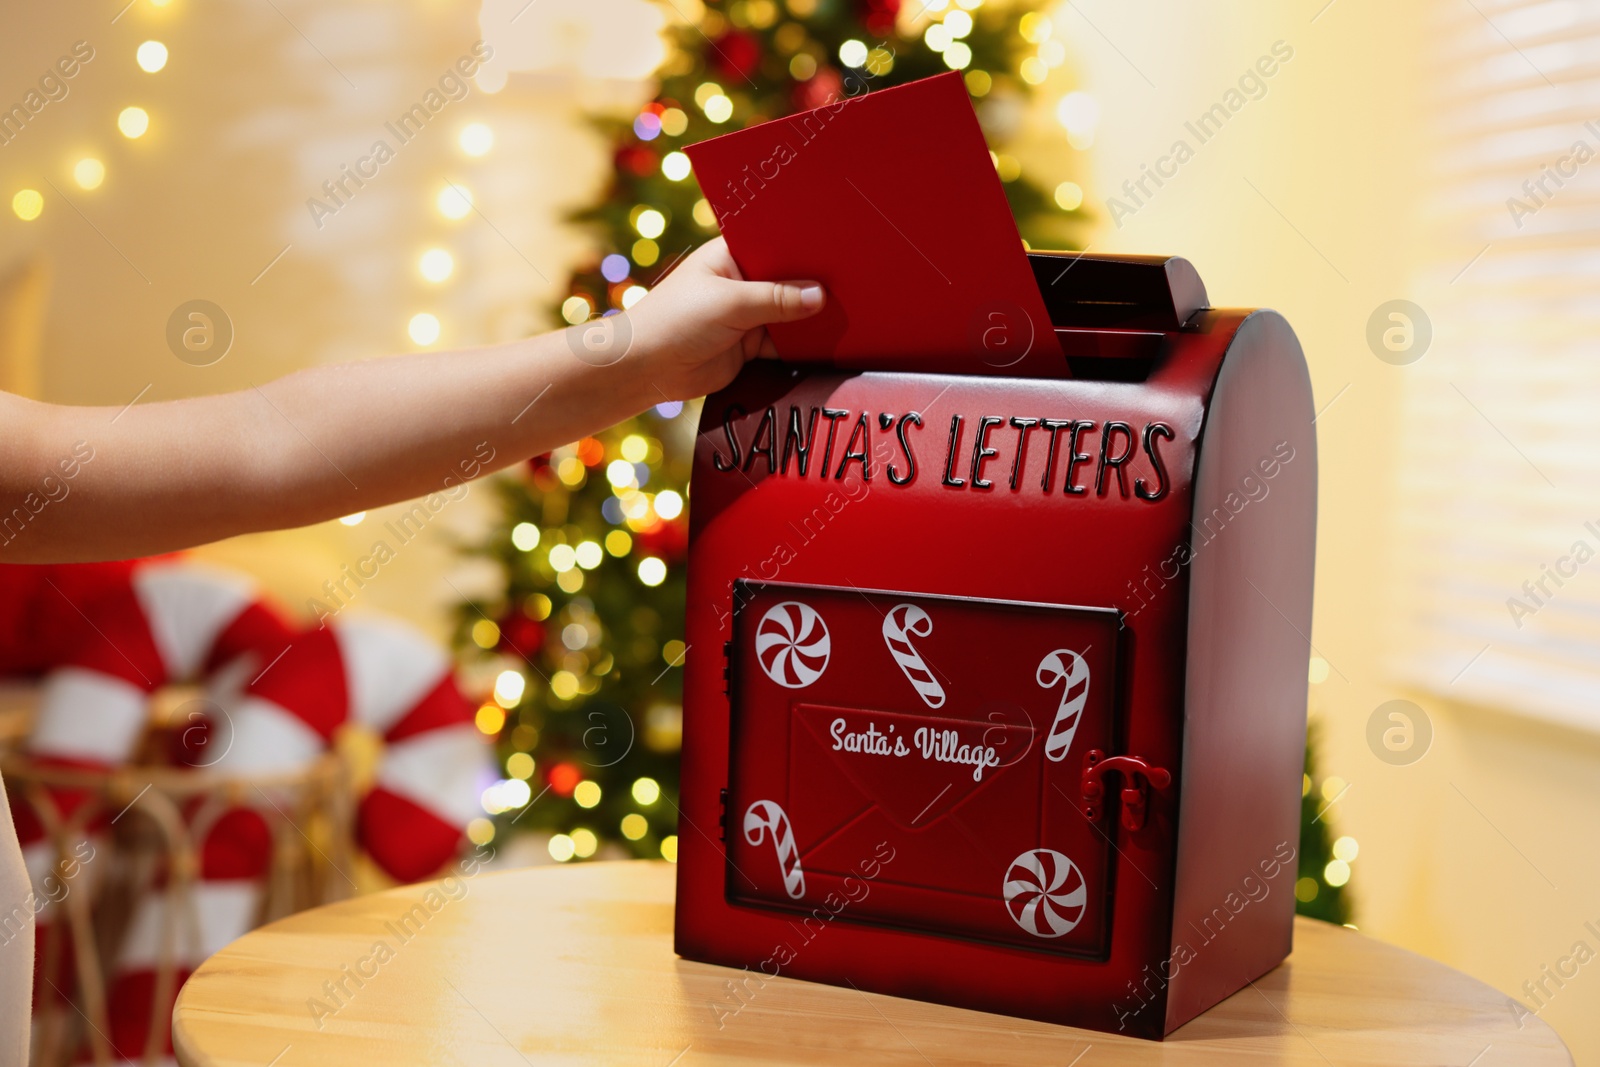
{"points": [[693, 332]]}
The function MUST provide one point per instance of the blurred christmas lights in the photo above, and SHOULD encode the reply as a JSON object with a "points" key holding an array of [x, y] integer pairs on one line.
{"points": [[476, 139], [89, 173], [27, 204], [436, 264], [455, 201], [133, 122], [151, 56], [423, 328]]}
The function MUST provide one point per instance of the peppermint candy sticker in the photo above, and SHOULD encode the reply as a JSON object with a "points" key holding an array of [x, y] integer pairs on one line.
{"points": [[792, 644], [1045, 893]]}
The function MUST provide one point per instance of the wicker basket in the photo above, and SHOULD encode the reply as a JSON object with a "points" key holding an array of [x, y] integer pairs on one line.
{"points": [[309, 815]]}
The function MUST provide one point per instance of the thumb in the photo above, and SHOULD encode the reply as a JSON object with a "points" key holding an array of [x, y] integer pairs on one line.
{"points": [[752, 304]]}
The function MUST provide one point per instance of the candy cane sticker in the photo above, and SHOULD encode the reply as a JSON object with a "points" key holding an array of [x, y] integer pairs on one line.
{"points": [[792, 644], [1044, 892], [903, 622], [1069, 668], [765, 817]]}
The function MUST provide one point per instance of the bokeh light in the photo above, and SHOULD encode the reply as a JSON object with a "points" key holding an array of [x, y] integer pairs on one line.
{"points": [[719, 108], [650, 223], [151, 56], [475, 139], [669, 504], [436, 264], [508, 688], [676, 166], [89, 173], [27, 204], [455, 201], [423, 328], [133, 122], [652, 571], [576, 309]]}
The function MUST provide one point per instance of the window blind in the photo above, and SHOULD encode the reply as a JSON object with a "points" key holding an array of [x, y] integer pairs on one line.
{"points": [[1498, 538]]}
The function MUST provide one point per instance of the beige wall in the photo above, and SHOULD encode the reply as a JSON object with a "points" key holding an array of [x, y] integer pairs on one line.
{"points": [[1338, 147]]}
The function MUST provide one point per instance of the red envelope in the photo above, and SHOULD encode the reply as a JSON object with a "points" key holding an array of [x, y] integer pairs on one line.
{"points": [[955, 727], [890, 199]]}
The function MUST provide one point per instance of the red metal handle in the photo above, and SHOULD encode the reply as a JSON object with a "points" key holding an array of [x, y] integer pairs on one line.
{"points": [[1138, 778]]}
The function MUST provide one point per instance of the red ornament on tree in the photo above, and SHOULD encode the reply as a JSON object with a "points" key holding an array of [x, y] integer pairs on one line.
{"points": [[669, 540], [735, 54], [878, 16], [823, 87], [564, 778], [521, 636], [637, 160]]}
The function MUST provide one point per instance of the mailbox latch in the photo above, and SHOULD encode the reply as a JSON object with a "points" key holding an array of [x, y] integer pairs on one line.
{"points": [[1138, 778]]}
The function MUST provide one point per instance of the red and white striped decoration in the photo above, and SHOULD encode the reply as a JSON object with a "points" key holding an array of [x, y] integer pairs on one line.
{"points": [[171, 622], [1068, 668], [792, 644], [903, 622], [765, 818], [160, 622], [386, 677], [1045, 893]]}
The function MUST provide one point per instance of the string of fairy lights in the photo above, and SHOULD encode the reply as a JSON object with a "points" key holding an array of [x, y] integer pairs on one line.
{"points": [[454, 201], [948, 22], [133, 122]]}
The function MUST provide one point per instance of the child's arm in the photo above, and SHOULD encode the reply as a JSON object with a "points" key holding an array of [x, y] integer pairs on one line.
{"points": [[334, 440]]}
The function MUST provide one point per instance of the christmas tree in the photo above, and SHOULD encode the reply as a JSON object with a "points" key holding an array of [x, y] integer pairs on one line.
{"points": [[1319, 888], [593, 535]]}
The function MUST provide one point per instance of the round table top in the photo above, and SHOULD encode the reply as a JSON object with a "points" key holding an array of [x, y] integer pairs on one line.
{"points": [[574, 965]]}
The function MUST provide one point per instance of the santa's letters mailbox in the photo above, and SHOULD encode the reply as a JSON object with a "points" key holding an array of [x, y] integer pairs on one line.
{"points": [[996, 685]]}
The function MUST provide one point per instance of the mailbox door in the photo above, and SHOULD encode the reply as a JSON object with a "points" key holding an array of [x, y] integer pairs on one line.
{"points": [[951, 731]]}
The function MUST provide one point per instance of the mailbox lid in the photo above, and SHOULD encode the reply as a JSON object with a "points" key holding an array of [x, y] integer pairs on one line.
{"points": [[954, 727]]}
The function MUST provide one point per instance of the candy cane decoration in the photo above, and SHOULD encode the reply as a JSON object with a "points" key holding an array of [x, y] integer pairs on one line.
{"points": [[1068, 667], [903, 622], [1045, 893], [764, 817], [375, 673]]}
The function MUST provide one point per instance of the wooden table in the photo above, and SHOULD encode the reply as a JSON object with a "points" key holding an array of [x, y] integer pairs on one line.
{"points": [[574, 965]]}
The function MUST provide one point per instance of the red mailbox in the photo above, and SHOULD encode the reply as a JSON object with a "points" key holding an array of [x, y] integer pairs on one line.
{"points": [[996, 690]]}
